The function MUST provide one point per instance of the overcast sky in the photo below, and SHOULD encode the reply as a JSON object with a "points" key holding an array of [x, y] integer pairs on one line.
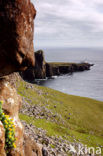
{"points": [[69, 23]]}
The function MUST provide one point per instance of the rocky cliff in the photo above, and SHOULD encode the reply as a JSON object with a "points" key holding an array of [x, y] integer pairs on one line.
{"points": [[16, 35], [16, 53], [60, 68], [43, 69]]}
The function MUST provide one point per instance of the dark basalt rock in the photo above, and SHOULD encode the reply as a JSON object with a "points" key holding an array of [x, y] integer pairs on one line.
{"points": [[28, 74], [16, 35], [49, 71], [40, 65], [37, 72]]}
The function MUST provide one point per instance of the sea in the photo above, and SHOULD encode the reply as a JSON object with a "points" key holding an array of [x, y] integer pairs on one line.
{"points": [[87, 83]]}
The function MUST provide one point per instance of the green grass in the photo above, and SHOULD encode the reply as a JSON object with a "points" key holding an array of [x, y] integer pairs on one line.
{"points": [[83, 117], [56, 64]]}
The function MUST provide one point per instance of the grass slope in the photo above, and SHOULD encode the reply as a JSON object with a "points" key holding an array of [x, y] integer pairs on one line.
{"points": [[56, 64], [80, 119]]}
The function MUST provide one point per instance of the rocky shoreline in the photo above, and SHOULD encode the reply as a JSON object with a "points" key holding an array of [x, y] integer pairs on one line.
{"points": [[43, 69]]}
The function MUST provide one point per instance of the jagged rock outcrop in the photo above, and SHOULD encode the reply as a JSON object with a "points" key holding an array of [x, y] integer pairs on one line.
{"points": [[44, 69], [16, 35], [40, 65]]}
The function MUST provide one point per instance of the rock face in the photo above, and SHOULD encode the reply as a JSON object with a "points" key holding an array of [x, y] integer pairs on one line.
{"points": [[45, 69], [16, 35], [11, 105], [31, 148]]}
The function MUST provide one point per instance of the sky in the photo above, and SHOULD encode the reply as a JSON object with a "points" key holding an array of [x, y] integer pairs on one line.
{"points": [[68, 23]]}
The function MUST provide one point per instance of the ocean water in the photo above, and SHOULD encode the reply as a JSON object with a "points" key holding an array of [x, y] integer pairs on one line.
{"points": [[87, 83]]}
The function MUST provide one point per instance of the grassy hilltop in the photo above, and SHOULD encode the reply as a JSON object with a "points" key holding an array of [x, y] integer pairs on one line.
{"points": [[76, 119]]}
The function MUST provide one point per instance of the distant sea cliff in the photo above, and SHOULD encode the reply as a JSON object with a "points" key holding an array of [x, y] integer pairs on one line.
{"points": [[43, 69]]}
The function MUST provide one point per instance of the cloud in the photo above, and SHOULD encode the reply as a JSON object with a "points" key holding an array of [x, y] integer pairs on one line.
{"points": [[69, 22]]}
